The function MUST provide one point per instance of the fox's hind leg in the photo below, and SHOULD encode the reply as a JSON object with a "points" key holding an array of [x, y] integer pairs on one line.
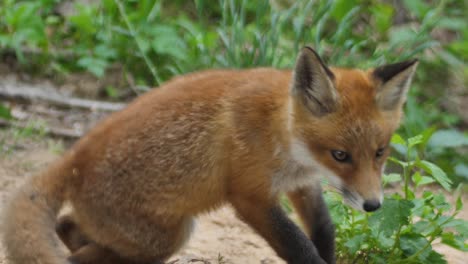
{"points": [[125, 238], [85, 251], [92, 253], [70, 233]]}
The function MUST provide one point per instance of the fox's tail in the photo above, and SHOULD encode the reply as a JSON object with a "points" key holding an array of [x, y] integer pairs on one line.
{"points": [[29, 220]]}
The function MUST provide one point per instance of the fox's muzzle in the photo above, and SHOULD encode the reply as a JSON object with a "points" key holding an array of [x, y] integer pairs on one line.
{"points": [[371, 205], [356, 200]]}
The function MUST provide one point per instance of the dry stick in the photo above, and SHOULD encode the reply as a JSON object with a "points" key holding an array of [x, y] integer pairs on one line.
{"points": [[53, 131], [25, 92], [188, 261]]}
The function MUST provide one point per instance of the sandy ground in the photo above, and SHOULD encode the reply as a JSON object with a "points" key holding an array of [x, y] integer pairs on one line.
{"points": [[219, 237]]}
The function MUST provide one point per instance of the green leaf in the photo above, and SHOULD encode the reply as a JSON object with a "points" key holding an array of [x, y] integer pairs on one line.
{"points": [[401, 35], [390, 178], [341, 8], [392, 214], [426, 180], [418, 7], [411, 195], [459, 49], [419, 206], [397, 139], [435, 258], [5, 112], [382, 14], [355, 243], [427, 134], [440, 202], [338, 210], [96, 66], [421, 180], [167, 41], [416, 140], [422, 227], [416, 178], [463, 231], [377, 258], [399, 162], [111, 91], [52, 20], [459, 193], [412, 243], [456, 223], [452, 23], [383, 241], [455, 241], [448, 139], [459, 203], [84, 19], [438, 174], [104, 51]]}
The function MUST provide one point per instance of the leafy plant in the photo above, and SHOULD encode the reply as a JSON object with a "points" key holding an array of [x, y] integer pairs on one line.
{"points": [[405, 229], [9, 138], [5, 112]]}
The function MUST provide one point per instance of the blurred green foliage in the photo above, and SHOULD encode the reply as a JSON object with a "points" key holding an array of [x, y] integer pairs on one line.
{"points": [[182, 36]]}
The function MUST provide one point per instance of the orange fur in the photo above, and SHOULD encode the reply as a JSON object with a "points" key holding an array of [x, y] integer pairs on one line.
{"points": [[138, 179]]}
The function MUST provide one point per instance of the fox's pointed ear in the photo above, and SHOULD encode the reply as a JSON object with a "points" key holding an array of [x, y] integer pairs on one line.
{"points": [[312, 83], [393, 83]]}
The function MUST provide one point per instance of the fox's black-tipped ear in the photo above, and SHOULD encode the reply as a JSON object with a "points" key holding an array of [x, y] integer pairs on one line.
{"points": [[394, 81], [313, 83]]}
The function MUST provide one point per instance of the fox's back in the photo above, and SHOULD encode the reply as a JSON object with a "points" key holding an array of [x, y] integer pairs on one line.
{"points": [[174, 139]]}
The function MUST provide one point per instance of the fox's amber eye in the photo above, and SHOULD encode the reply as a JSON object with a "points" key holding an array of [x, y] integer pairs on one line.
{"points": [[341, 156], [380, 152]]}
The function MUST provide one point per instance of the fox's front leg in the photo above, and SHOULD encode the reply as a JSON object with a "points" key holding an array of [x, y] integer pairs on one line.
{"points": [[286, 238], [316, 219]]}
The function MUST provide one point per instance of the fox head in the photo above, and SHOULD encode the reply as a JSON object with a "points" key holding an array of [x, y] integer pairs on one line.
{"points": [[342, 120]]}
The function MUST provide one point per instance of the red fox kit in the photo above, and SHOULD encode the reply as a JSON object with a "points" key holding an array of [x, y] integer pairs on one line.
{"points": [[138, 179]]}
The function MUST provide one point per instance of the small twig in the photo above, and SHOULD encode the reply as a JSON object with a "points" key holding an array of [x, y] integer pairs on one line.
{"points": [[189, 259], [22, 91], [131, 82]]}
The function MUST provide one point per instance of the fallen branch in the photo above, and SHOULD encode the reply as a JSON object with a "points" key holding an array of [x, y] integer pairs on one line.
{"points": [[24, 92], [53, 131]]}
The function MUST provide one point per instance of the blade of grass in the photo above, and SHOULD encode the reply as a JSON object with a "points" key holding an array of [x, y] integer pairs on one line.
{"points": [[134, 35]]}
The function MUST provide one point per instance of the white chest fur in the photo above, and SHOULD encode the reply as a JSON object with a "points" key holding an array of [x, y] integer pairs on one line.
{"points": [[299, 169]]}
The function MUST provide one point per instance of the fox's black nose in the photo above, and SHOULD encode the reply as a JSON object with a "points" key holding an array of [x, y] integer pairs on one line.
{"points": [[371, 205]]}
